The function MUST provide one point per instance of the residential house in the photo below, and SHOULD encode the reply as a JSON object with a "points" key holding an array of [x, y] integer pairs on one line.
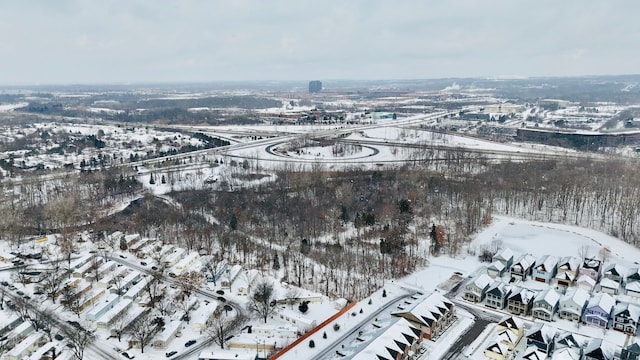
{"points": [[632, 276], [586, 282], [169, 332], [572, 304], [523, 267], [632, 289], [508, 337], [497, 295], [545, 305], [541, 336], [496, 351], [597, 349], [567, 271], [533, 353], [505, 256], [513, 325], [496, 269], [609, 286], [475, 290], [520, 301], [400, 341], [545, 269], [25, 347], [431, 316], [615, 272], [568, 340], [626, 317], [566, 354], [599, 310], [631, 352], [591, 267]]}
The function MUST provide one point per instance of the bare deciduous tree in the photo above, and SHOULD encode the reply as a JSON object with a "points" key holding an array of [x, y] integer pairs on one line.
{"points": [[262, 301], [223, 326]]}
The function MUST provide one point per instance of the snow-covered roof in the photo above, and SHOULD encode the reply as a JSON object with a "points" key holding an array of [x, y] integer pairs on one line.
{"points": [[541, 332], [587, 280], [504, 255], [549, 296], [603, 301], [498, 348], [591, 263], [522, 295], [394, 340], [615, 270], [507, 337], [496, 265], [430, 309], [534, 353], [634, 310], [609, 283], [599, 349], [634, 286], [511, 322], [568, 263], [567, 353], [576, 295], [546, 262], [525, 260], [482, 281]]}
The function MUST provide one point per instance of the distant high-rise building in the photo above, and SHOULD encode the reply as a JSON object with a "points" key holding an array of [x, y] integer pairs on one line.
{"points": [[315, 86]]}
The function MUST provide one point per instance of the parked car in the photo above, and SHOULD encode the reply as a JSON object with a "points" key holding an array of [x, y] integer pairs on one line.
{"points": [[171, 353], [125, 354], [189, 343]]}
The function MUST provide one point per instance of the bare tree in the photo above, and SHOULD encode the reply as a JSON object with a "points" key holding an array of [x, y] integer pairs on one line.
{"points": [[292, 294], [78, 340], [189, 281], [142, 330], [51, 284], [223, 326], [213, 267], [261, 301], [119, 327], [583, 252]]}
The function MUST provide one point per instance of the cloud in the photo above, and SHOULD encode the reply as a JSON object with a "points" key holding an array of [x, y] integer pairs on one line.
{"points": [[71, 41]]}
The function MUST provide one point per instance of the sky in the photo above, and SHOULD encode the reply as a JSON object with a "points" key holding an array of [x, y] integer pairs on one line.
{"points": [[130, 41]]}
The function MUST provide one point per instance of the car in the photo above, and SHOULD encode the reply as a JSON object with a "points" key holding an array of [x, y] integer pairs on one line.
{"points": [[221, 299], [126, 354], [4, 283], [20, 293], [154, 268], [220, 292], [58, 337], [171, 353], [189, 343], [143, 263], [123, 256]]}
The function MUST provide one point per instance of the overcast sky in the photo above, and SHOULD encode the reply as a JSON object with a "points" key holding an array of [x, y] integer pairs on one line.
{"points": [[128, 41]]}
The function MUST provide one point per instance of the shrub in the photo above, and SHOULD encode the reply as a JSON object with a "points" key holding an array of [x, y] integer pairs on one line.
{"points": [[336, 327], [312, 344]]}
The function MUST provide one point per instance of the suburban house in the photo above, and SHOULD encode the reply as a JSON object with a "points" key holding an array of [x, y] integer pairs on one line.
{"points": [[567, 354], [609, 286], [626, 317], [545, 269], [545, 305], [505, 256], [496, 269], [632, 276], [523, 267], [520, 301], [512, 324], [541, 336], [615, 272], [591, 267], [508, 338], [572, 304], [400, 341], [431, 316], [586, 282], [599, 310], [497, 295], [533, 353], [568, 340], [632, 289], [597, 349], [631, 351], [567, 271], [496, 351], [475, 290]]}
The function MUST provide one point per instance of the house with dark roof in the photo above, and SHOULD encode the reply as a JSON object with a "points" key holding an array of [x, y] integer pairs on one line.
{"points": [[520, 301], [533, 353], [599, 309], [626, 317], [631, 352], [541, 336], [568, 340], [523, 267], [496, 351], [497, 295], [597, 349], [512, 324], [615, 272]]}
